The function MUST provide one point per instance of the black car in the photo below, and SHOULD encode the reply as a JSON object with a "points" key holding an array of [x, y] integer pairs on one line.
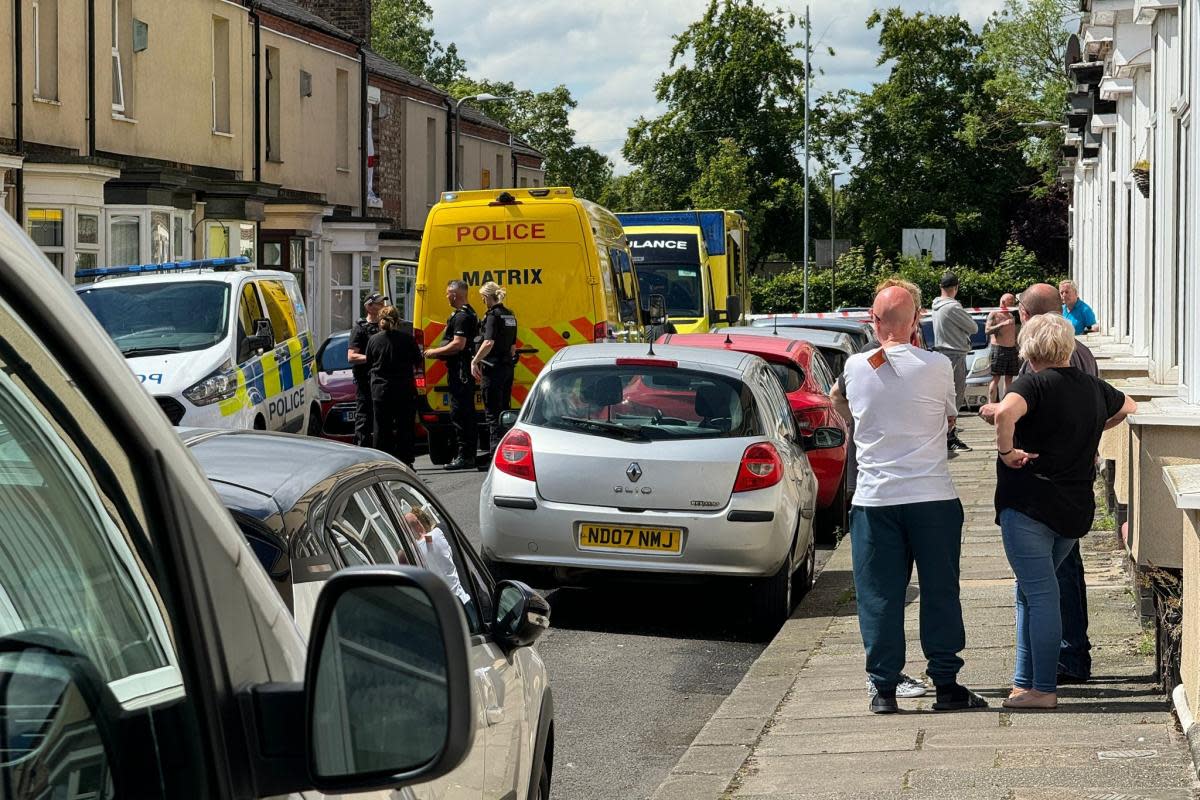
{"points": [[309, 507], [861, 332]]}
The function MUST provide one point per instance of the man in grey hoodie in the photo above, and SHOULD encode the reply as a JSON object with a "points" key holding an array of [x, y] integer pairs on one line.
{"points": [[953, 328]]}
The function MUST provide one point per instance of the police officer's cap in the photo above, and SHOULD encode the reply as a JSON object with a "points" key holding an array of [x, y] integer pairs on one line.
{"points": [[377, 297]]}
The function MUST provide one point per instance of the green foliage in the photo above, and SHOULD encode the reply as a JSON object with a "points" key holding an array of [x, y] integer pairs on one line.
{"points": [[920, 167], [731, 94], [402, 32], [857, 278]]}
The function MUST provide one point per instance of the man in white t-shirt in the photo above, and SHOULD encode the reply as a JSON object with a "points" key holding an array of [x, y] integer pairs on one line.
{"points": [[906, 508]]}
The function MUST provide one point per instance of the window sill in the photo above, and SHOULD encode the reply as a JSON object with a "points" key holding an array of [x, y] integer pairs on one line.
{"points": [[47, 100], [223, 134], [122, 118], [344, 170]]}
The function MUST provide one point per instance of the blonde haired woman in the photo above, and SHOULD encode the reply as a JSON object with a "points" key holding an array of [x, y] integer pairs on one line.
{"points": [[1047, 430], [494, 360]]}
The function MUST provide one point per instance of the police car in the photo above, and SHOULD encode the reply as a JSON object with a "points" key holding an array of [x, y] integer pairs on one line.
{"points": [[216, 346]]}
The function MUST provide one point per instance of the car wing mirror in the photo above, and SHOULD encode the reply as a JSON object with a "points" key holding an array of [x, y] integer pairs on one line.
{"points": [[733, 309], [508, 419], [386, 699], [657, 310], [522, 615], [825, 439]]}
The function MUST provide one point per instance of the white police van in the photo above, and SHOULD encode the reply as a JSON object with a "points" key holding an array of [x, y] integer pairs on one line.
{"points": [[217, 347]]}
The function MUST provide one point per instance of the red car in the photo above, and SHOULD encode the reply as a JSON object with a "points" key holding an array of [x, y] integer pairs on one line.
{"points": [[336, 387], [807, 381]]}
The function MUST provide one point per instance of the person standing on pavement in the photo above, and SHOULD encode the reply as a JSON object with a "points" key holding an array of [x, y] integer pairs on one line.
{"points": [[394, 356], [1077, 312], [1075, 656], [1047, 432], [495, 359], [952, 332], [902, 399], [1006, 362], [458, 344], [356, 354]]}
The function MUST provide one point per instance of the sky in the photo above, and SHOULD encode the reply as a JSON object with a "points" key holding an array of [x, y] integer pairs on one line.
{"points": [[610, 53]]}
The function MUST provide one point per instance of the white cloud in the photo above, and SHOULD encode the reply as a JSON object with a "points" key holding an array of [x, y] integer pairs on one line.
{"points": [[611, 54]]}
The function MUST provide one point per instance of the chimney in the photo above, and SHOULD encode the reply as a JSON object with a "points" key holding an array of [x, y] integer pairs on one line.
{"points": [[352, 16]]}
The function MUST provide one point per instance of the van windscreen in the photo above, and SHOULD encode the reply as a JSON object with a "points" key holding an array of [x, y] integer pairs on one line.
{"points": [[147, 319]]}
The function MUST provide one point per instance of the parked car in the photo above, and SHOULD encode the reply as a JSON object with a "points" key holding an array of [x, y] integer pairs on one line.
{"points": [[334, 506], [834, 346], [979, 360], [145, 653], [807, 381], [860, 331], [685, 464]]}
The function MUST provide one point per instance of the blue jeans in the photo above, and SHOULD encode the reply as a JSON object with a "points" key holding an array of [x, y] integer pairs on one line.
{"points": [[1034, 551], [1076, 656], [885, 541]]}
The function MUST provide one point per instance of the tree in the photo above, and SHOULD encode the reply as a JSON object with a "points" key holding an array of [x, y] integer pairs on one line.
{"points": [[724, 179], [919, 167], [734, 76], [1025, 48], [402, 32]]}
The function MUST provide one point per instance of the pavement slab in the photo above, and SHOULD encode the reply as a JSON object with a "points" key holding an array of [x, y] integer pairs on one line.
{"points": [[798, 727]]}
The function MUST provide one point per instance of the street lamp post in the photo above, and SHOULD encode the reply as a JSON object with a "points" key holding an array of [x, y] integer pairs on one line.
{"points": [[454, 165], [833, 176]]}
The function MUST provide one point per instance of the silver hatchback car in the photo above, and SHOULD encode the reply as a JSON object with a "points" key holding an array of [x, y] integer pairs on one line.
{"points": [[682, 462]]}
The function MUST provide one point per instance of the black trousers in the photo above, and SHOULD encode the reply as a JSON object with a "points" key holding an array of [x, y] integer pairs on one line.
{"points": [[497, 398], [462, 416], [364, 425], [395, 411], [1075, 657]]}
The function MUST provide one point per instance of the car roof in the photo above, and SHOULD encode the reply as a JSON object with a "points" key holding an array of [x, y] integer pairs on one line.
{"points": [[818, 337], [763, 346], [192, 276], [582, 354], [279, 466], [846, 325]]}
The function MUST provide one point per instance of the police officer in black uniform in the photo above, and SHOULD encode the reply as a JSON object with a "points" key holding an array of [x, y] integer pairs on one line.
{"points": [[457, 348], [356, 354], [495, 359]]}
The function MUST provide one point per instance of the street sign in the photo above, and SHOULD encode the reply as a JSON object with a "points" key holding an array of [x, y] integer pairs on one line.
{"points": [[924, 243]]}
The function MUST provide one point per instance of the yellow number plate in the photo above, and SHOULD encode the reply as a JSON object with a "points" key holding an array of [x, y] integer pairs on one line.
{"points": [[593, 536]]}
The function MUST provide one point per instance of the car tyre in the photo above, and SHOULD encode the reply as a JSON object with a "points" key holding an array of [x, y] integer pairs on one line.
{"points": [[314, 421], [808, 570], [771, 599], [441, 447], [542, 791], [828, 520]]}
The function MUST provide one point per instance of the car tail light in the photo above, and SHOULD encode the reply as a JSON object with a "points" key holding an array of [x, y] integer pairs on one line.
{"points": [[514, 456], [808, 421], [761, 467], [600, 332], [430, 418], [646, 362]]}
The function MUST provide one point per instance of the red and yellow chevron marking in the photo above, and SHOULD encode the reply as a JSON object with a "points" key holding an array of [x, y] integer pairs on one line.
{"points": [[547, 339]]}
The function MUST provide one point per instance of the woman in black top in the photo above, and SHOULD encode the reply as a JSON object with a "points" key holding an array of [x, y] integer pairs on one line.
{"points": [[393, 357], [1047, 430]]}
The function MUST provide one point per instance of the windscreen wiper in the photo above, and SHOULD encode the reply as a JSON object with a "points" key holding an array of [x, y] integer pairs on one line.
{"points": [[149, 351], [601, 426]]}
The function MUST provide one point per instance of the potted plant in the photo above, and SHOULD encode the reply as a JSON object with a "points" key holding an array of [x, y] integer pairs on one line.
{"points": [[1141, 176]]}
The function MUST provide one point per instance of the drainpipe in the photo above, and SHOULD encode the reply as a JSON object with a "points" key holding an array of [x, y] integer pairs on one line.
{"points": [[19, 108], [257, 91], [362, 132], [512, 151], [91, 78], [450, 157]]}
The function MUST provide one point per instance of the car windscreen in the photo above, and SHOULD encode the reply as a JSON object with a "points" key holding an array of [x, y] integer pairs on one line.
{"points": [[679, 285], [979, 339], [333, 356], [644, 403], [157, 318]]}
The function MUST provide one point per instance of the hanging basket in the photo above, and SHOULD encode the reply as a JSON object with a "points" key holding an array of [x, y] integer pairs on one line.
{"points": [[1141, 177]]}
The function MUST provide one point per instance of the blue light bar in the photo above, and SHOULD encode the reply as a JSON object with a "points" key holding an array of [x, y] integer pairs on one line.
{"points": [[166, 266]]}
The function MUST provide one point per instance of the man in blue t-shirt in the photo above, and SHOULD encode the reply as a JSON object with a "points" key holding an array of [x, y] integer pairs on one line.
{"points": [[1077, 312]]}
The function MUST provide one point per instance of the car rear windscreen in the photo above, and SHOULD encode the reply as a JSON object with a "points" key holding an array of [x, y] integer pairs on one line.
{"points": [[644, 402]]}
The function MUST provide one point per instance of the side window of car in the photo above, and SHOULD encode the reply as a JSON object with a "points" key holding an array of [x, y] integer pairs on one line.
{"points": [[364, 520], [440, 551], [779, 411], [821, 371], [249, 312], [279, 310]]}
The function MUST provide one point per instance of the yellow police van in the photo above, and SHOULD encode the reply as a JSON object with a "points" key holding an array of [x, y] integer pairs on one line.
{"points": [[697, 260], [564, 262], [217, 347]]}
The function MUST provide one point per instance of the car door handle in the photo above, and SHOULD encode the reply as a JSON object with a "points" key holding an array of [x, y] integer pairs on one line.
{"points": [[494, 715], [493, 712], [808, 512]]}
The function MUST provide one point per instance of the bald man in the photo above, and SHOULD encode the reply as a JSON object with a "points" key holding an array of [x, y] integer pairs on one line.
{"points": [[902, 400]]}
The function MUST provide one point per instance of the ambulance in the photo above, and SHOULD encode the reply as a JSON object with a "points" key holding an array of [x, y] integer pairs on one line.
{"points": [[564, 262], [697, 260], [216, 346]]}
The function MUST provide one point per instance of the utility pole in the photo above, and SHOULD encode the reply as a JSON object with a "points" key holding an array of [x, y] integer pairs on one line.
{"points": [[833, 176], [807, 56]]}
